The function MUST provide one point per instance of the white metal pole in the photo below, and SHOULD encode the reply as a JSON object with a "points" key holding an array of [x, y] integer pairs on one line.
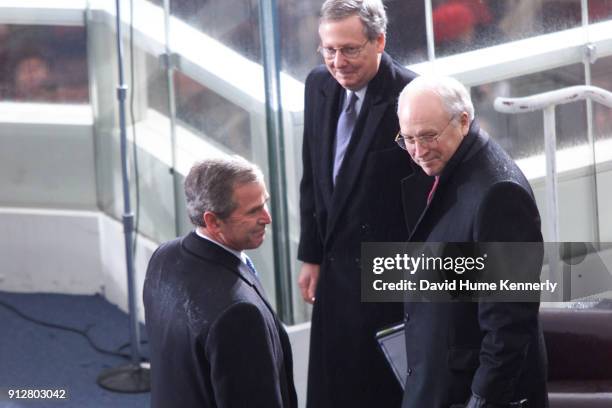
{"points": [[550, 151]]}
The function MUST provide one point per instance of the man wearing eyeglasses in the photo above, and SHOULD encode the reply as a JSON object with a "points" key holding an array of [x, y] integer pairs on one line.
{"points": [[475, 354], [349, 194]]}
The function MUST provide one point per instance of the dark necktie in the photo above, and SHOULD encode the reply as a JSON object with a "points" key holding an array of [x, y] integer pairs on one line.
{"points": [[251, 265], [346, 123], [433, 189]]}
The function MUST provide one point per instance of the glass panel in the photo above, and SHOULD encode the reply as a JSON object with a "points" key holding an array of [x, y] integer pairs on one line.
{"points": [[212, 116], [43, 64], [406, 33], [150, 108], [299, 38], [601, 73], [220, 115], [235, 23], [522, 135], [152, 188], [463, 25], [599, 10]]}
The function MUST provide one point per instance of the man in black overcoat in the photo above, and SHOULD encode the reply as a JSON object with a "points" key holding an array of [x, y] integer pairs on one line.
{"points": [[214, 339], [349, 194], [483, 354]]}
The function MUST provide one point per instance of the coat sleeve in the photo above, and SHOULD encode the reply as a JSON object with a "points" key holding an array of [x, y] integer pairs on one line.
{"points": [[310, 248], [507, 214], [243, 359]]}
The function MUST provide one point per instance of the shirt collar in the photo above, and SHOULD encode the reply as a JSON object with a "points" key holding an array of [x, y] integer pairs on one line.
{"points": [[238, 254], [360, 94]]}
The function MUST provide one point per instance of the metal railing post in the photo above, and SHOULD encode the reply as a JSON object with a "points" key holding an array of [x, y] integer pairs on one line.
{"points": [[547, 102], [552, 195]]}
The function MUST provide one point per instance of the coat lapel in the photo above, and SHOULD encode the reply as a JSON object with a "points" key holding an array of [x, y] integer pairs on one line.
{"points": [[330, 110], [211, 252], [415, 205], [375, 104], [355, 157]]}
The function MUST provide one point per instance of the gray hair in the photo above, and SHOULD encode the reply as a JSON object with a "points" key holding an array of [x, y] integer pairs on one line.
{"points": [[371, 12], [454, 96], [210, 185]]}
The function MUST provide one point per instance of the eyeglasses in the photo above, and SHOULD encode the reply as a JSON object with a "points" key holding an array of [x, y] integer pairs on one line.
{"points": [[424, 140], [348, 52]]}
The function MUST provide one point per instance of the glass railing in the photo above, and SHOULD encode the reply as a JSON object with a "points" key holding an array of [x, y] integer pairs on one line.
{"points": [[197, 90]]}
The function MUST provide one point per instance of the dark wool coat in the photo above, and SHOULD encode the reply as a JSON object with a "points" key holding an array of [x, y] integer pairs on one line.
{"points": [[493, 349], [214, 339], [346, 368]]}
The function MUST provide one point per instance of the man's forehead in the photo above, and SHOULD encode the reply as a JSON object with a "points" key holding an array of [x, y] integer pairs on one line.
{"points": [[251, 183], [250, 188], [349, 28], [422, 103]]}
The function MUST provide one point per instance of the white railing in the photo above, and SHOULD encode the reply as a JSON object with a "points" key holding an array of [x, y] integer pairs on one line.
{"points": [[547, 102]]}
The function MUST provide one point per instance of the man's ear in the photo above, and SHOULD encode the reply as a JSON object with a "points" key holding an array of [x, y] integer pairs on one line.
{"points": [[380, 43], [464, 120], [211, 220]]}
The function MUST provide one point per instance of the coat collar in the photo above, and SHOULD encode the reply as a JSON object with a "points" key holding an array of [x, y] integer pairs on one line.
{"points": [[331, 93], [415, 208], [470, 145], [211, 252]]}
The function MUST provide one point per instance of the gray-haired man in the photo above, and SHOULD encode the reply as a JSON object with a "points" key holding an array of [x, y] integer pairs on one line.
{"points": [[215, 341], [485, 354], [350, 193]]}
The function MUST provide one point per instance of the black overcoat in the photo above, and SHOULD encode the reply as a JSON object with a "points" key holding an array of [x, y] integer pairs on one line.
{"points": [[214, 339], [492, 349], [346, 369]]}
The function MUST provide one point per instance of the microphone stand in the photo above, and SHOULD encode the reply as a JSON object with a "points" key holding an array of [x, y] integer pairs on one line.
{"points": [[133, 377]]}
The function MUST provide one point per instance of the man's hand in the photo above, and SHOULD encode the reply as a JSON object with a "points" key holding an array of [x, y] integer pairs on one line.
{"points": [[307, 281]]}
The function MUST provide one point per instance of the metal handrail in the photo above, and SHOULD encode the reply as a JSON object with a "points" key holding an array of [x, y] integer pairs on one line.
{"points": [[552, 98], [547, 102]]}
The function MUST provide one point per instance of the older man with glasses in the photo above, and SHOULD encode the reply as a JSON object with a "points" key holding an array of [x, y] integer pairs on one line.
{"points": [[478, 354], [348, 195]]}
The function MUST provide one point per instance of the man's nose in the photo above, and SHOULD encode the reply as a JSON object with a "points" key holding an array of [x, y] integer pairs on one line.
{"points": [[339, 59], [420, 150], [266, 217]]}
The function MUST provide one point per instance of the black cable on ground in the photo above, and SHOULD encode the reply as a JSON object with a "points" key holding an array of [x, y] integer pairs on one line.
{"points": [[82, 333]]}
